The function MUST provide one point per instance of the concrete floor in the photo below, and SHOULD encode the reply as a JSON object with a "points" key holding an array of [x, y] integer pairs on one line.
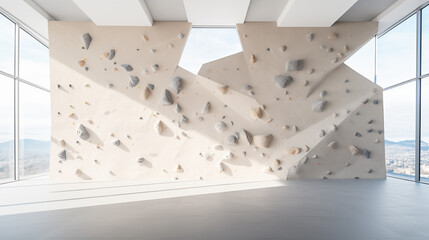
{"points": [[323, 209]]}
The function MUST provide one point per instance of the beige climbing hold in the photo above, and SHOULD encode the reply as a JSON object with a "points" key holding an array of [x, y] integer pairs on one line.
{"points": [[62, 142], [223, 89], [269, 120], [277, 163], [89, 121], [354, 150], [145, 38], [305, 83], [293, 150], [263, 140], [332, 36], [345, 48], [86, 85], [71, 115], [244, 36], [106, 54], [78, 172], [285, 127], [81, 63], [295, 128], [252, 58], [159, 127], [179, 168], [332, 145], [146, 93], [269, 170], [311, 71], [377, 140], [334, 115], [256, 113], [221, 166]]}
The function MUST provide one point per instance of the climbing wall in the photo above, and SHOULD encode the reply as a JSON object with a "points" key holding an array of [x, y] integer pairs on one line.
{"points": [[286, 107]]}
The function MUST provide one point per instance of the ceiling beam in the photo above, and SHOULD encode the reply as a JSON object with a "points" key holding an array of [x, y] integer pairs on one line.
{"points": [[216, 12], [313, 13], [116, 13]]}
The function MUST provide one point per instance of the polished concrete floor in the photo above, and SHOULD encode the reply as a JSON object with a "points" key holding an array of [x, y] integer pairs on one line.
{"points": [[332, 209]]}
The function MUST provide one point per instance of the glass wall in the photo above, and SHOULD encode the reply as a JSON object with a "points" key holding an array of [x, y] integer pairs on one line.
{"points": [[424, 147], [24, 103], [363, 61]]}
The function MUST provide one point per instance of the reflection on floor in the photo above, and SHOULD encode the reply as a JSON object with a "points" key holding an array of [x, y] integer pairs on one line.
{"points": [[331, 209]]}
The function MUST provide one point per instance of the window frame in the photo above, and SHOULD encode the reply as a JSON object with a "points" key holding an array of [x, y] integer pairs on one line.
{"points": [[17, 81]]}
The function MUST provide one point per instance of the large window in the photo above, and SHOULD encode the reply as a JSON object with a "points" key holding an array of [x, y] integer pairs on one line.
{"points": [[424, 145], [24, 103], [363, 61], [425, 41]]}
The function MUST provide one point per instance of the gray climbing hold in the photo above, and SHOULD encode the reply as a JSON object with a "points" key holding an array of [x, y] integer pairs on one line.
{"points": [[176, 84], [206, 108], [112, 54], [283, 48], [140, 160], [86, 39], [329, 50], [334, 60], [318, 106], [154, 67], [116, 142], [354, 150], [322, 133], [184, 119], [332, 145], [180, 36], [110, 85], [294, 65], [231, 140], [62, 155], [134, 80], [375, 102], [178, 108], [283, 80], [127, 67], [220, 126], [167, 99], [369, 170], [81, 132], [380, 131], [151, 86], [248, 136], [356, 134], [369, 130], [322, 93], [309, 37], [246, 87], [370, 121], [365, 101], [366, 153]]}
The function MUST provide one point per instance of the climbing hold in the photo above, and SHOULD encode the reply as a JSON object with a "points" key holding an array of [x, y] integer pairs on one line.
{"points": [[293, 150], [228, 156], [322, 93], [110, 85], [365, 101], [180, 36], [295, 128], [232, 140], [329, 50], [332, 145], [116, 142], [176, 84], [305, 83], [277, 163], [256, 113], [322, 133], [184, 119], [220, 126], [151, 86], [306, 148], [282, 80], [178, 108], [223, 89], [86, 39], [154, 67], [366, 153], [246, 87], [218, 147], [127, 67], [112, 54], [318, 106], [345, 48], [158, 127], [334, 127], [167, 99], [140, 160], [134, 80], [220, 166], [357, 134], [309, 37], [334, 60], [146, 93], [206, 108], [81, 63], [62, 155], [269, 120], [375, 102], [283, 48], [145, 38], [354, 150], [332, 36], [294, 65], [269, 170], [81, 132], [252, 58], [179, 168], [263, 140]]}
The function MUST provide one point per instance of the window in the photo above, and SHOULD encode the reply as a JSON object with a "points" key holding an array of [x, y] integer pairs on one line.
{"points": [[425, 41], [24, 103], [34, 130], [6, 128], [7, 43], [396, 54], [208, 44], [399, 128], [33, 61], [363, 61]]}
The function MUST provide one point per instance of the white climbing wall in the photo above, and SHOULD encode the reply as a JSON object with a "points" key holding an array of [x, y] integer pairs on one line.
{"points": [[232, 120]]}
